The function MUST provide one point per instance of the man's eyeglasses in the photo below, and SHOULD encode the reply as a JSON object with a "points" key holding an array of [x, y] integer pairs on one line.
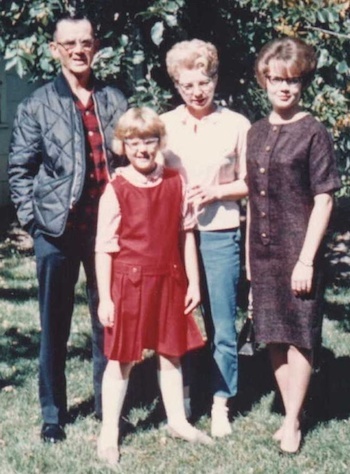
{"points": [[136, 143], [290, 81], [204, 86], [69, 46]]}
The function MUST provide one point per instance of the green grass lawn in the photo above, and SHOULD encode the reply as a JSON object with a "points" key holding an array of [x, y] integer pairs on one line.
{"points": [[145, 448]]}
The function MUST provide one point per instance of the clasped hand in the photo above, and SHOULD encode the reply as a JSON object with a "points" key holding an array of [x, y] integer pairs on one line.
{"points": [[199, 195]]}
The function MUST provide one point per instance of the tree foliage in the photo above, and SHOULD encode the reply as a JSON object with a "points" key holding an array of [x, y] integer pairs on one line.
{"points": [[135, 35]]}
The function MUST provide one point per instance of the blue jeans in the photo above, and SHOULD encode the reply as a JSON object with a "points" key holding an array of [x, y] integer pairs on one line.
{"points": [[220, 268], [58, 262]]}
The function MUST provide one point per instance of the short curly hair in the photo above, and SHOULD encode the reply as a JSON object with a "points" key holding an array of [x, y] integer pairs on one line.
{"points": [[192, 54], [140, 122], [299, 59]]}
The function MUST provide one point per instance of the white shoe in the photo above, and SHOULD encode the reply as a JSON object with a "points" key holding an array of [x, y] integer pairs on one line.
{"points": [[107, 451], [220, 425]]}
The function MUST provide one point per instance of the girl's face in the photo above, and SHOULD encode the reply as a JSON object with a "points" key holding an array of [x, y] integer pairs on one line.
{"points": [[283, 89], [142, 152], [197, 91]]}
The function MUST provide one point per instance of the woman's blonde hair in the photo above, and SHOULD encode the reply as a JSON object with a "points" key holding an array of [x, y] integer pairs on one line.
{"points": [[193, 54], [299, 59], [138, 122]]}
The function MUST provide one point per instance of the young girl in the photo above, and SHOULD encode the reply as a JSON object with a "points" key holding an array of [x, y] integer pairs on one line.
{"points": [[145, 298]]}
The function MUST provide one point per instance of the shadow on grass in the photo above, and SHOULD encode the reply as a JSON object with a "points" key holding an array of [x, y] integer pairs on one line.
{"points": [[328, 396], [14, 347], [340, 312], [18, 294], [23, 294]]}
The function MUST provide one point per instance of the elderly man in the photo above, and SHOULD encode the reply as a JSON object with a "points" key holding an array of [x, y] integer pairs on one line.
{"points": [[60, 160]]}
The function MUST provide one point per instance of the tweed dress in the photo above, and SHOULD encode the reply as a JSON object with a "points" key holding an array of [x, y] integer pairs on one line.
{"points": [[287, 165]]}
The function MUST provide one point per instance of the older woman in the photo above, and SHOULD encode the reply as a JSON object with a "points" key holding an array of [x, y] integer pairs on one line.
{"points": [[207, 143], [291, 177]]}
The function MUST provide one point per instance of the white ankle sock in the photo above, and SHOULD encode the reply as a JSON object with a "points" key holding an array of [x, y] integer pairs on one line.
{"points": [[219, 402], [113, 395], [170, 382]]}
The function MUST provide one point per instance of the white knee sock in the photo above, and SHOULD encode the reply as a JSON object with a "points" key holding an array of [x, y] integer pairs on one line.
{"points": [[113, 395], [170, 382]]}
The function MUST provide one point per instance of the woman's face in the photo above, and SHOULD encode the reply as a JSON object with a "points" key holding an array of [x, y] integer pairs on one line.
{"points": [[197, 91], [283, 89]]}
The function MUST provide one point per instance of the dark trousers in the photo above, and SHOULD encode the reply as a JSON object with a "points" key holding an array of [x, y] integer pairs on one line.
{"points": [[58, 262]]}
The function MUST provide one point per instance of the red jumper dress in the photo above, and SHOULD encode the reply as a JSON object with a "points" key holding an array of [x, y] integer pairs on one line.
{"points": [[148, 277]]}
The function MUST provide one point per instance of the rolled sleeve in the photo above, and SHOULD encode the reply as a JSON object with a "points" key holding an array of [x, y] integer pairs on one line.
{"points": [[324, 175]]}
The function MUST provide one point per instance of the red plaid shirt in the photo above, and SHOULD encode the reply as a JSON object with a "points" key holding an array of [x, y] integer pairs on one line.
{"points": [[83, 216]]}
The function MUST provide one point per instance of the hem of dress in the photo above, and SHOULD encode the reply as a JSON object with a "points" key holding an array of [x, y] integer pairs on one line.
{"points": [[157, 351], [286, 342]]}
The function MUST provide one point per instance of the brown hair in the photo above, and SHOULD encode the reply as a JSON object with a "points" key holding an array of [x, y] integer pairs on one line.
{"points": [[138, 122], [299, 59], [193, 54]]}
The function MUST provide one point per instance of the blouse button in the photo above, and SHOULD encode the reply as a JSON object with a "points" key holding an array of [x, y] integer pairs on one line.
{"points": [[268, 148], [134, 269], [262, 170], [263, 214], [90, 133], [91, 175], [263, 234], [274, 128], [262, 193]]}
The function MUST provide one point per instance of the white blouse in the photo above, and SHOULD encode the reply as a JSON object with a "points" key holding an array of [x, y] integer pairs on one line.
{"points": [[210, 151]]}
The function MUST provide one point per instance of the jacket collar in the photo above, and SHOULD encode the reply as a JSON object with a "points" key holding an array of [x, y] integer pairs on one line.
{"points": [[64, 89]]}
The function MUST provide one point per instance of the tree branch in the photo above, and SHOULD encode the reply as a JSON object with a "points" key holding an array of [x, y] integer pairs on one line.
{"points": [[328, 32]]}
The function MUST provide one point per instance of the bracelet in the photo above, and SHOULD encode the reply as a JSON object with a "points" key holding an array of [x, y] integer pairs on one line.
{"points": [[306, 264]]}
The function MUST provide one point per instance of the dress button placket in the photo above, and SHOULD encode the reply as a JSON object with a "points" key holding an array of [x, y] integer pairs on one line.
{"points": [[263, 179]]}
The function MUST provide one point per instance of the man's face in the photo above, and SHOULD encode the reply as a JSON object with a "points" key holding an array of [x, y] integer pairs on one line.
{"points": [[74, 46]]}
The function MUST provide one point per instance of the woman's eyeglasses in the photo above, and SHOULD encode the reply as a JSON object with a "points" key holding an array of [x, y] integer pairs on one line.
{"points": [[290, 81], [189, 88]]}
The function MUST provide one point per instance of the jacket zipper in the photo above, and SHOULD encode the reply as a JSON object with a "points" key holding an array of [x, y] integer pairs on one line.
{"points": [[83, 167]]}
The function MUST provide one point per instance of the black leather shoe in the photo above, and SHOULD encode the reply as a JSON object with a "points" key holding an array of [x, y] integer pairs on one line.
{"points": [[52, 433]]}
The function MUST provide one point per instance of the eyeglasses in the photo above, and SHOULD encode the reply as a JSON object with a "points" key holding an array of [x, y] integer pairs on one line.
{"points": [[69, 46], [204, 86], [290, 81], [136, 143]]}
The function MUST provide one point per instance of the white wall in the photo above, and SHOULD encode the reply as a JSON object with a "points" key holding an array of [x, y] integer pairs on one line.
{"points": [[12, 91]]}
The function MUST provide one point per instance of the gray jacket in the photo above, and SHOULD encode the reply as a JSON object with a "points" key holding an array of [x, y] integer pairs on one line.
{"points": [[47, 152]]}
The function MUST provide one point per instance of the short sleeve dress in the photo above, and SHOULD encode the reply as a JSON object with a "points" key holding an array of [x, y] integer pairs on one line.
{"points": [[287, 165]]}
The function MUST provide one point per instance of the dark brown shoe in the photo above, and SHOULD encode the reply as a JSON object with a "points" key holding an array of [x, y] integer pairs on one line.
{"points": [[52, 433]]}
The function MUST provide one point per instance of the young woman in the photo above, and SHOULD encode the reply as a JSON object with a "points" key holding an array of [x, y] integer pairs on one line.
{"points": [[146, 296], [291, 177]]}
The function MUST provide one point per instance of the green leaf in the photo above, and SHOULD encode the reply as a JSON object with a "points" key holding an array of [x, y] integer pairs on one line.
{"points": [[138, 57], [157, 32], [342, 67], [124, 40]]}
